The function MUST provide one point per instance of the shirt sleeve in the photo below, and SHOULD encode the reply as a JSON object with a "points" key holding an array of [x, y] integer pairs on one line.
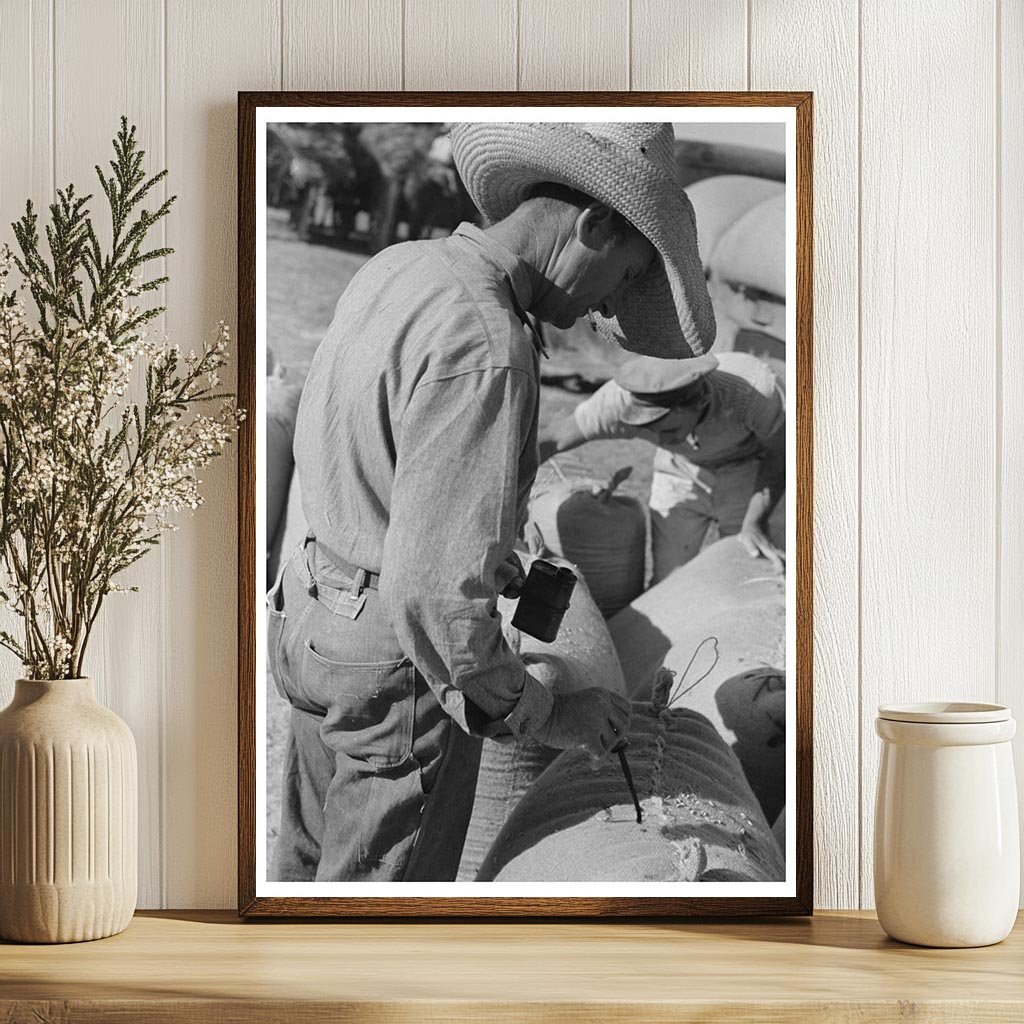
{"points": [[452, 524], [611, 412], [766, 406]]}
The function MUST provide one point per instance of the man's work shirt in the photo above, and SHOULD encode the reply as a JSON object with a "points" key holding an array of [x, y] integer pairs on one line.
{"points": [[416, 447], [742, 408]]}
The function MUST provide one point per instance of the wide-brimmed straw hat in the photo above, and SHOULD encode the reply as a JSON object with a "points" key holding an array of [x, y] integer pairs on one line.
{"points": [[659, 384], [629, 167]]}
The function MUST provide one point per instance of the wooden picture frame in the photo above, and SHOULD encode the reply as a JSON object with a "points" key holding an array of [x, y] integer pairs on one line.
{"points": [[795, 108]]}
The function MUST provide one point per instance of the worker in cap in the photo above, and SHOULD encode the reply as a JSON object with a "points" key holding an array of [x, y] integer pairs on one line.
{"points": [[416, 448], [719, 424]]}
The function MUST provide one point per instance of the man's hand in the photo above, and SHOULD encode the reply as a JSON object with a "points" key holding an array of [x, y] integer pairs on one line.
{"points": [[594, 719], [753, 537], [510, 577]]}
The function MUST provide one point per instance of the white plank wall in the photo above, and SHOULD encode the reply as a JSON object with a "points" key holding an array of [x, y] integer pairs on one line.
{"points": [[698, 45], [778, 61], [460, 44], [1009, 368], [26, 156], [213, 50], [574, 44], [128, 676], [928, 518], [919, 306], [342, 44]]}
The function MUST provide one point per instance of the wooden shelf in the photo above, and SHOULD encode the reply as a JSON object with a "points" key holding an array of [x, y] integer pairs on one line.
{"points": [[209, 966]]}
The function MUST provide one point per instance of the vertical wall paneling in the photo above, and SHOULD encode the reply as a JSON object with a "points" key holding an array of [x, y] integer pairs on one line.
{"points": [[26, 128], [928, 348], [574, 44], [781, 59], [1010, 227], [699, 44], [460, 44], [929, 559], [342, 44], [127, 666], [26, 69], [213, 51]]}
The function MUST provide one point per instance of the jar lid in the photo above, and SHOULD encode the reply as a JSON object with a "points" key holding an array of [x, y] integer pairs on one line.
{"points": [[945, 713]]}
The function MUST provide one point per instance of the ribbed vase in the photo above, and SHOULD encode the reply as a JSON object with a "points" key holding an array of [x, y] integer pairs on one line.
{"points": [[68, 815]]}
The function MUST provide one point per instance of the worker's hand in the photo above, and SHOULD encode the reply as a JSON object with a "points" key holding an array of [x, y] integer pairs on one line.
{"points": [[511, 576], [753, 537], [594, 719]]}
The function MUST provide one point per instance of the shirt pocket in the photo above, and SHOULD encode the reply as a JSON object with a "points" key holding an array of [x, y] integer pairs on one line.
{"points": [[369, 708]]}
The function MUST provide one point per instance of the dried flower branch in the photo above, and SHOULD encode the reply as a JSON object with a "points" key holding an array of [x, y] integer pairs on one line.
{"points": [[89, 478]]}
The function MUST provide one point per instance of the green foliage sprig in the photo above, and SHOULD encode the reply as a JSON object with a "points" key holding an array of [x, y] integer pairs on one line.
{"points": [[89, 478]]}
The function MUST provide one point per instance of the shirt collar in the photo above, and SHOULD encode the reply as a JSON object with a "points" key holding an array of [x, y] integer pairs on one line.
{"points": [[515, 272]]}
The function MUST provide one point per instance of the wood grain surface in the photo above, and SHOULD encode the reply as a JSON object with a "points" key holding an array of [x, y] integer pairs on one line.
{"points": [[207, 966]]}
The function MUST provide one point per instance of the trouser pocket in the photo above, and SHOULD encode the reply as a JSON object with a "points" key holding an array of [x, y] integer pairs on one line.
{"points": [[373, 805], [369, 709]]}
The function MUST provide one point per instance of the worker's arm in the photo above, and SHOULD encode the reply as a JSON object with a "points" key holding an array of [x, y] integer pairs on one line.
{"points": [[452, 526], [602, 416], [765, 415], [768, 489]]}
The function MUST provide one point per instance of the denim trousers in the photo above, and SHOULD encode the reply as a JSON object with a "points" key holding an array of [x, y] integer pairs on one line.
{"points": [[367, 738]]}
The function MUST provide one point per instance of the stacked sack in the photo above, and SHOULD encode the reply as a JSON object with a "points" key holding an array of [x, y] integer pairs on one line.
{"points": [[719, 623], [701, 821], [604, 533], [582, 655]]}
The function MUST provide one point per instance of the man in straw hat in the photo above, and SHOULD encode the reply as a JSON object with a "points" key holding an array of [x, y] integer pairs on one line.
{"points": [[719, 423], [416, 447]]}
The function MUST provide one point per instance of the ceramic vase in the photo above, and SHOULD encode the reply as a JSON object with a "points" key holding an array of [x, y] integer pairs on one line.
{"points": [[68, 815], [947, 847]]}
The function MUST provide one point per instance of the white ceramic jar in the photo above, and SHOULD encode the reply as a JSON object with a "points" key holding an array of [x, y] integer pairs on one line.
{"points": [[947, 847]]}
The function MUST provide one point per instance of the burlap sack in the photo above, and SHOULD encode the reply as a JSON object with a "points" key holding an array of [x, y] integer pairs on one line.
{"points": [[701, 820], [719, 623], [582, 655], [602, 532]]}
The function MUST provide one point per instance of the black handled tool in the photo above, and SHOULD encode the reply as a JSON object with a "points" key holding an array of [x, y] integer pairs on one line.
{"points": [[620, 749]]}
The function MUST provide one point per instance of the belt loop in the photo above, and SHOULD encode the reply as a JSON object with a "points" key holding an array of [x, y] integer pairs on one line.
{"points": [[360, 578]]}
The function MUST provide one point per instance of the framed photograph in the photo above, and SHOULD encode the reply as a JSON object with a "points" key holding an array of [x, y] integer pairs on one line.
{"points": [[525, 504]]}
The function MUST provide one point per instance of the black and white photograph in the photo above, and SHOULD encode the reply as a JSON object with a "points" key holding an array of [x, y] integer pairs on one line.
{"points": [[525, 479]]}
